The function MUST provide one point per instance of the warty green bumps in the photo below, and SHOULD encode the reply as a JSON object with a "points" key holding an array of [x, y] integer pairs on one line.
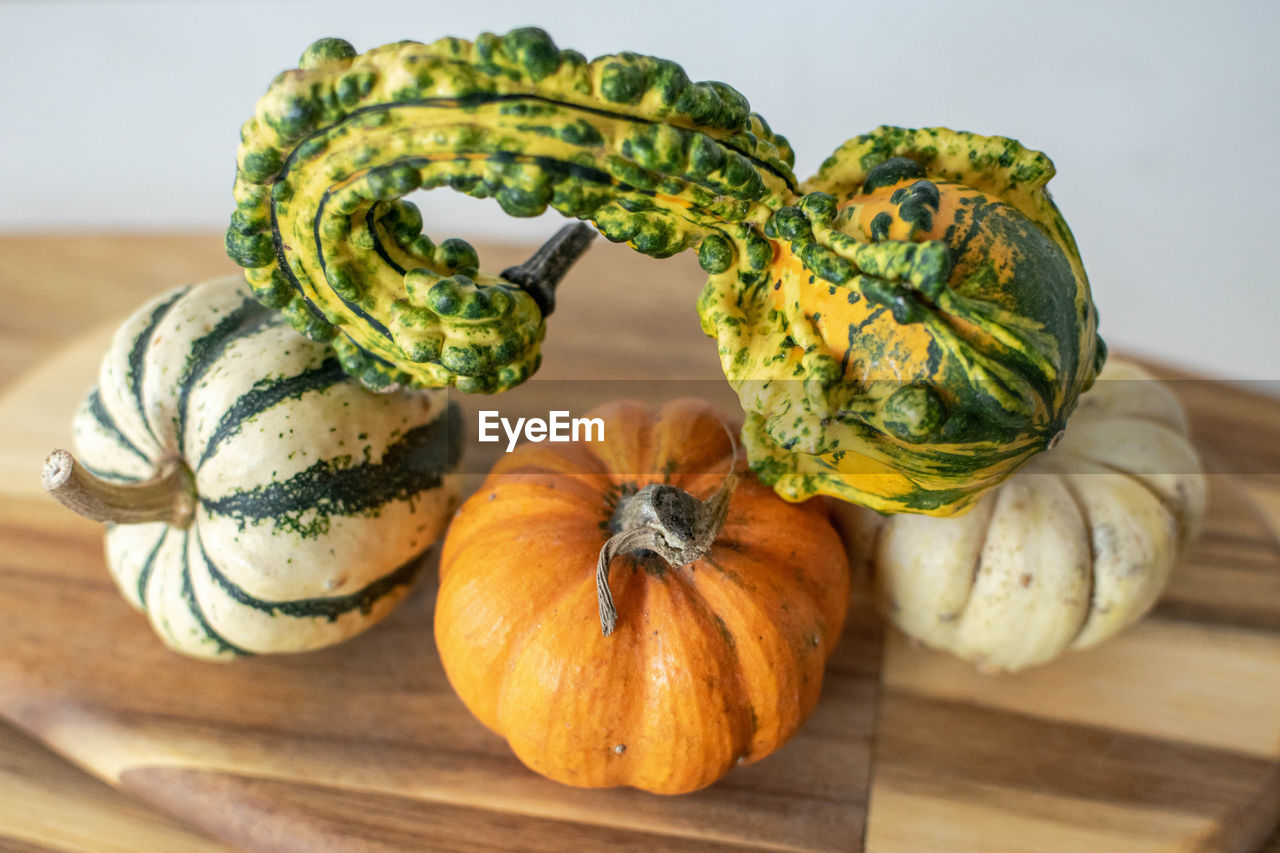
{"points": [[903, 330]]}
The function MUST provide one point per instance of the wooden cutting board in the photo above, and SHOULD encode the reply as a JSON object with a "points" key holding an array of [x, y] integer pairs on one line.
{"points": [[1167, 737]]}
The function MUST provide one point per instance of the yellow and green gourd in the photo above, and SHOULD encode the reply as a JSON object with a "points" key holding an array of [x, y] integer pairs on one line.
{"points": [[903, 330], [625, 141], [925, 328]]}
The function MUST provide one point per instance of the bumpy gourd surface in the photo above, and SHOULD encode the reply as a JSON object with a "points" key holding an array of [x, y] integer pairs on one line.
{"points": [[925, 326], [625, 141], [904, 330], [315, 497]]}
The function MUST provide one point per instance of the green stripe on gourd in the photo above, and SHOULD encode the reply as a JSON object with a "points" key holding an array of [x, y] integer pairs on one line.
{"points": [[267, 393], [625, 141], [133, 367], [95, 410], [310, 499], [305, 503]]}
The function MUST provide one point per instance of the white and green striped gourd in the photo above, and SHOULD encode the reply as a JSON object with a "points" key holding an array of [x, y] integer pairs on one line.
{"points": [[257, 499]]}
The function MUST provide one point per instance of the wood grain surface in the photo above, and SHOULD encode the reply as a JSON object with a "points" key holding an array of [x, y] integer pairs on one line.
{"points": [[1166, 738]]}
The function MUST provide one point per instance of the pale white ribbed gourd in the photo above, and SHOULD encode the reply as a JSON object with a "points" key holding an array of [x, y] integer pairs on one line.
{"points": [[1073, 548]]}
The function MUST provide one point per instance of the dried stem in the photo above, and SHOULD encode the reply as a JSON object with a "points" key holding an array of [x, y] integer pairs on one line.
{"points": [[169, 496], [668, 521], [540, 275]]}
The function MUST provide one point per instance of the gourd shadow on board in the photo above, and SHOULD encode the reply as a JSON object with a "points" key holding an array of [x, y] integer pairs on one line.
{"points": [[708, 665], [257, 499], [1072, 549], [903, 330]]}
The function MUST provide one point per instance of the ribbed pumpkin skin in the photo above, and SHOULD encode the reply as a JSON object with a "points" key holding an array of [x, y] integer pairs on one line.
{"points": [[709, 665], [1066, 553], [315, 496]]}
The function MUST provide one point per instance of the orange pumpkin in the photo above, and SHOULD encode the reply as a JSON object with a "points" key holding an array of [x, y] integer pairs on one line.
{"points": [[709, 664]]}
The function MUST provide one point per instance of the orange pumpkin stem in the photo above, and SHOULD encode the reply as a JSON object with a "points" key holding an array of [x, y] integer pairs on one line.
{"points": [[169, 496], [668, 521]]}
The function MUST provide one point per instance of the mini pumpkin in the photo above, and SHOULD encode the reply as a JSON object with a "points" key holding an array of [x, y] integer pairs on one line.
{"points": [[1067, 552], [708, 664], [257, 499]]}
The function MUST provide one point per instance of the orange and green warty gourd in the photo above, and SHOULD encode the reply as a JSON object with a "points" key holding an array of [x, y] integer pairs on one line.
{"points": [[924, 328], [903, 330]]}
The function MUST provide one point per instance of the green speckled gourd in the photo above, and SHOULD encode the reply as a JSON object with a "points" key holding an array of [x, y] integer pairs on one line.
{"points": [[625, 141], [925, 326], [903, 331], [257, 499]]}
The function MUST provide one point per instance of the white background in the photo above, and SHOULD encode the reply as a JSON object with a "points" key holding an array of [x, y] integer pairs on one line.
{"points": [[1163, 119]]}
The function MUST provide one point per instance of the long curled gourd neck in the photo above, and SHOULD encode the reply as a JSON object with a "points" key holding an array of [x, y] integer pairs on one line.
{"points": [[667, 521], [169, 496], [625, 141]]}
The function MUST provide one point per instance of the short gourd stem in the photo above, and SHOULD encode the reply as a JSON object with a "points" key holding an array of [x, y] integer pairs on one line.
{"points": [[169, 496], [540, 275], [668, 521]]}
